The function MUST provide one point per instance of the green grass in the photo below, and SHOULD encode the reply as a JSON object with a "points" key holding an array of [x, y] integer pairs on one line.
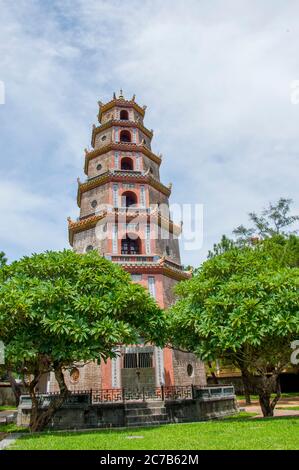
{"points": [[12, 427], [7, 407], [287, 408], [283, 395], [241, 432]]}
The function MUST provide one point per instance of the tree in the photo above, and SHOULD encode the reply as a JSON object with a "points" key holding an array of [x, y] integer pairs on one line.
{"points": [[59, 308], [243, 305], [3, 259], [274, 220], [4, 370], [218, 248]]}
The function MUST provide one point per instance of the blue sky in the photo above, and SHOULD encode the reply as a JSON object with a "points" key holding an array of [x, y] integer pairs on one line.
{"points": [[216, 77]]}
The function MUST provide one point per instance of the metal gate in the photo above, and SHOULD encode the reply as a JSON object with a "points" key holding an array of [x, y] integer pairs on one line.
{"points": [[138, 371]]}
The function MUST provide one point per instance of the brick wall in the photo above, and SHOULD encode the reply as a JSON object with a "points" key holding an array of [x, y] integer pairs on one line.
{"points": [[180, 362], [90, 376]]}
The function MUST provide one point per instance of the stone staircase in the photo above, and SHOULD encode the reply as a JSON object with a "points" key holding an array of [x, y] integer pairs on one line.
{"points": [[149, 413]]}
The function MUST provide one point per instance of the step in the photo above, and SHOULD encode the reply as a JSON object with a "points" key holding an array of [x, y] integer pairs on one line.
{"points": [[146, 412], [147, 419], [147, 423], [145, 404], [145, 409]]}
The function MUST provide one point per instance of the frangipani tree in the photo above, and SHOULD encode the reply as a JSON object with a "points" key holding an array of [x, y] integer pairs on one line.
{"points": [[243, 305], [58, 308]]}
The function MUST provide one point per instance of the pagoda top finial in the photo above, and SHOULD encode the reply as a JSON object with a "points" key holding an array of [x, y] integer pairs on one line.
{"points": [[121, 94]]}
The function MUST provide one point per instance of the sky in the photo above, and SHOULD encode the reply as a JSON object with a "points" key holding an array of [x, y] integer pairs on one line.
{"points": [[220, 83]]}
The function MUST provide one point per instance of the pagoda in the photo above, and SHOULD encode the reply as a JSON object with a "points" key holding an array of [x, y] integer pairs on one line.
{"points": [[124, 215]]}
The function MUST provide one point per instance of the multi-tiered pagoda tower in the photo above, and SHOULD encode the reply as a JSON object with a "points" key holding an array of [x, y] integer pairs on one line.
{"points": [[124, 215]]}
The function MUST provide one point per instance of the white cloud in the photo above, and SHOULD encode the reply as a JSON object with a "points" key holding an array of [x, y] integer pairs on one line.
{"points": [[22, 228]]}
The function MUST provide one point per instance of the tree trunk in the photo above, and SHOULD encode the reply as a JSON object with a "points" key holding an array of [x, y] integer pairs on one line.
{"points": [[246, 383], [34, 399], [265, 403], [16, 388], [213, 375], [265, 388], [41, 417]]}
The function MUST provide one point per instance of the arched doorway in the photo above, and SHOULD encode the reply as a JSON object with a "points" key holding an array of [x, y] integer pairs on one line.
{"points": [[124, 115], [127, 164], [128, 199], [125, 136]]}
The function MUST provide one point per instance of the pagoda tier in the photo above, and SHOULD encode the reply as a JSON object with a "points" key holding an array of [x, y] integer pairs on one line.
{"points": [[120, 147], [119, 123], [125, 176]]}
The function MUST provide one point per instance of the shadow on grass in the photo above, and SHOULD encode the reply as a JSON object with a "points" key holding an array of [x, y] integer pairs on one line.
{"points": [[228, 420], [243, 416]]}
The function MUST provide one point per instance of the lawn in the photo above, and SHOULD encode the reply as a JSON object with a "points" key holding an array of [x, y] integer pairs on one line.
{"points": [[293, 395], [234, 433], [7, 407], [287, 408]]}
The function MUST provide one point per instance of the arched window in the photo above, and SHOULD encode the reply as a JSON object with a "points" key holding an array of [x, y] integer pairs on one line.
{"points": [[127, 164], [125, 136], [128, 199], [130, 246], [124, 115]]}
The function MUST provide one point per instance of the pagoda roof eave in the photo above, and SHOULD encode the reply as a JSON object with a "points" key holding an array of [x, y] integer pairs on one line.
{"points": [[91, 221], [114, 176], [120, 123], [156, 268], [121, 147], [120, 102]]}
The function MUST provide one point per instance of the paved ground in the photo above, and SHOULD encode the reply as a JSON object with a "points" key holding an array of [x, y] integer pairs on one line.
{"points": [[5, 414], [283, 403], [9, 439]]}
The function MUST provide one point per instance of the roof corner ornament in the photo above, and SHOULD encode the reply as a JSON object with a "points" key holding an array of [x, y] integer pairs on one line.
{"points": [[100, 103], [86, 151], [170, 186], [160, 155], [93, 126], [133, 97], [144, 107], [121, 97], [78, 180], [114, 95]]}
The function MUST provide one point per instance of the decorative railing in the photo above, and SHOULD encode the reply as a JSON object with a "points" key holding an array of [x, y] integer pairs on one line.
{"points": [[133, 258], [123, 395], [214, 391], [142, 394], [133, 208], [74, 398]]}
